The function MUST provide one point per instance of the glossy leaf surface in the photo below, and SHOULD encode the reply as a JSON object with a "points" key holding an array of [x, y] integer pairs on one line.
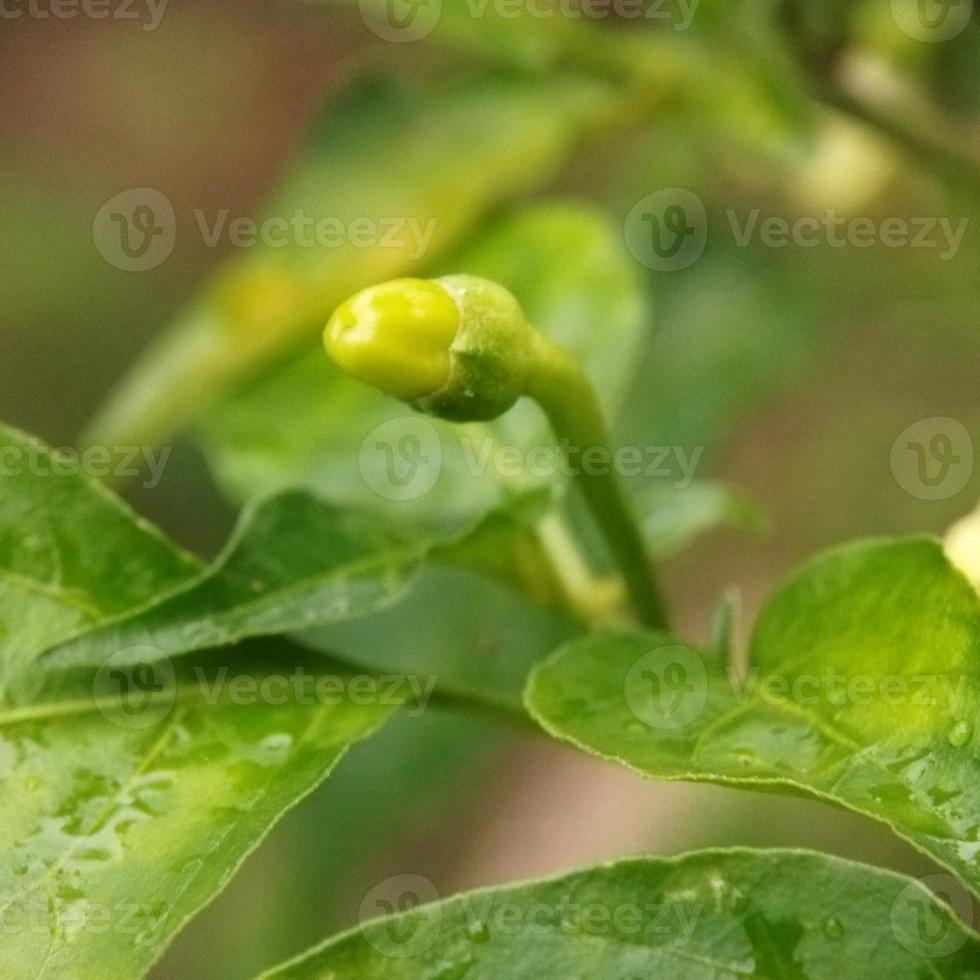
{"points": [[714, 915], [862, 691]]}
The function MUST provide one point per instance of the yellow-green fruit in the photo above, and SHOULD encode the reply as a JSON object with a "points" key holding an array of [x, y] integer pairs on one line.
{"points": [[457, 347], [396, 336]]}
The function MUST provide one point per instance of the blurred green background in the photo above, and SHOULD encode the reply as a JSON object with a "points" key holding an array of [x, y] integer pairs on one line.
{"points": [[794, 370]]}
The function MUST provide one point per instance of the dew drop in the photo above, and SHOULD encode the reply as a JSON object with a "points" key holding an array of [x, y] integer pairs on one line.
{"points": [[636, 728], [478, 931], [832, 928], [960, 734]]}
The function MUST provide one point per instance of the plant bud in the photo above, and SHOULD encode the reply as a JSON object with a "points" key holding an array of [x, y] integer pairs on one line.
{"points": [[456, 347]]}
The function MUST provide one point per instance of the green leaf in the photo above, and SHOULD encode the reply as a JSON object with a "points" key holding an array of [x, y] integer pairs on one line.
{"points": [[747, 44], [862, 691], [457, 751], [419, 165], [122, 816], [307, 424], [293, 563], [672, 517], [70, 554], [129, 797], [479, 638], [711, 915], [342, 583]]}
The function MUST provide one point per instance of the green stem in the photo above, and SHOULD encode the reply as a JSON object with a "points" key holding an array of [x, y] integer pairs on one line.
{"points": [[557, 383]]}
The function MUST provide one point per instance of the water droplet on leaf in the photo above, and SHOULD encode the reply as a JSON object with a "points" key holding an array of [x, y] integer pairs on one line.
{"points": [[960, 734]]}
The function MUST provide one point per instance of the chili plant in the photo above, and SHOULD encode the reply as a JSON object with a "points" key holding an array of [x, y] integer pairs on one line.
{"points": [[435, 519]]}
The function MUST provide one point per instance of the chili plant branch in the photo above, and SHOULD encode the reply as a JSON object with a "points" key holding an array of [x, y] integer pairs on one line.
{"points": [[461, 349]]}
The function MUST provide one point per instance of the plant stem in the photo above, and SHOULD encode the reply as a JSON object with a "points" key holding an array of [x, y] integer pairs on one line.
{"points": [[557, 383]]}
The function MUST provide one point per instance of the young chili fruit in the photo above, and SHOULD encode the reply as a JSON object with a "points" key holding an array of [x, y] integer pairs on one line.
{"points": [[456, 347], [461, 349]]}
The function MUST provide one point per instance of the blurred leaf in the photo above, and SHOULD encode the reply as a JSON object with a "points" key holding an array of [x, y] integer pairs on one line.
{"points": [[477, 638], [672, 517], [766, 103], [740, 324], [293, 563], [419, 165], [70, 554], [353, 841], [862, 691], [308, 424], [709, 915]]}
